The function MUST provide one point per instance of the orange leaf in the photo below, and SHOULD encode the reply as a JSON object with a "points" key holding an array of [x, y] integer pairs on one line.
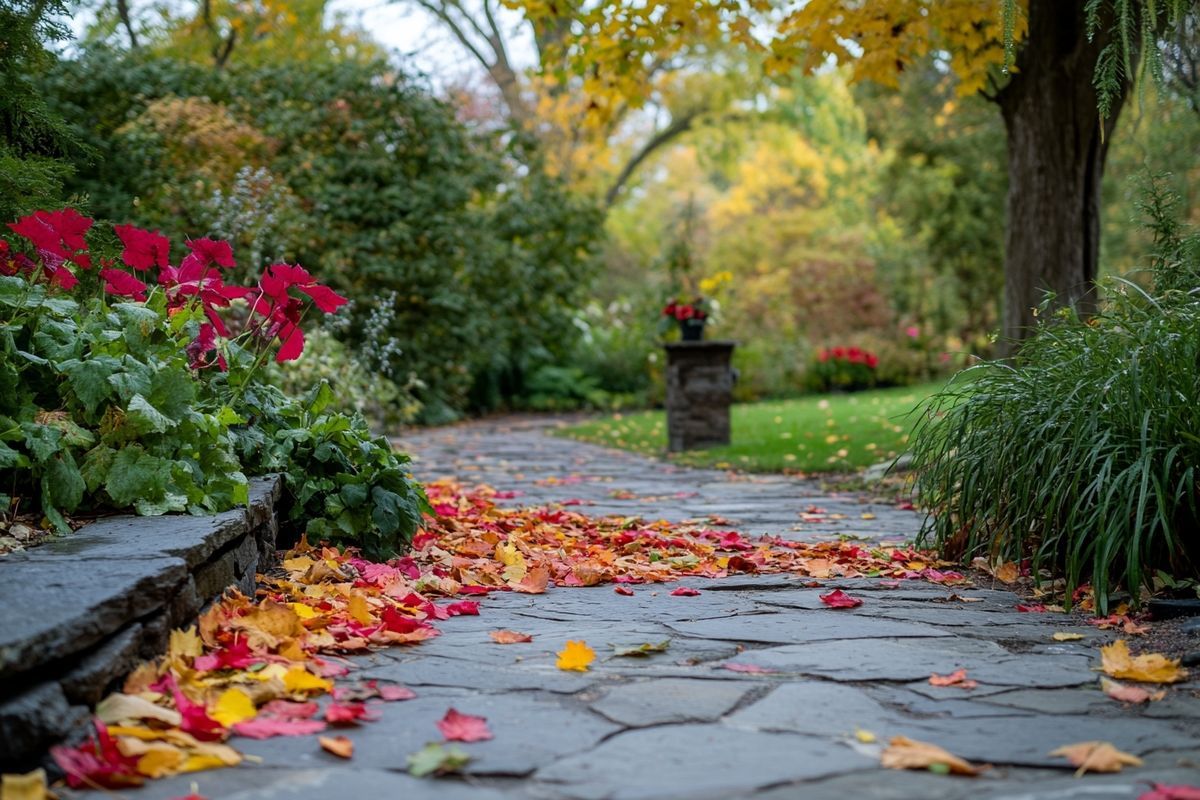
{"points": [[905, 753], [340, 746], [1096, 757], [1129, 694], [1008, 572], [1147, 668], [957, 678], [534, 582], [576, 656], [509, 637]]}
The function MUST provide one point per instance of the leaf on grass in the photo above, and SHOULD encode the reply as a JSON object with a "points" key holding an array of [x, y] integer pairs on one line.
{"points": [[1063, 636], [905, 753], [576, 656], [1096, 757], [839, 599], [459, 727], [641, 650], [434, 758], [957, 678], [684, 591], [509, 637], [1147, 668], [1129, 694], [340, 746]]}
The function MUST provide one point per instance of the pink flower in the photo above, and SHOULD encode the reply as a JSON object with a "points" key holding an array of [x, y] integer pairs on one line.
{"points": [[143, 249], [912, 331]]}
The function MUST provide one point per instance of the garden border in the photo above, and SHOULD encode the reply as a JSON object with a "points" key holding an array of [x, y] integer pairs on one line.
{"points": [[80, 612]]}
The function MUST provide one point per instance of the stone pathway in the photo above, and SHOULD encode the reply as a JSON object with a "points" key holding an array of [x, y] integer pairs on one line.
{"points": [[674, 725]]}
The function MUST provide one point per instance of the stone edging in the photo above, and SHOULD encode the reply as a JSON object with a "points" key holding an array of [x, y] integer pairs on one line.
{"points": [[78, 613]]}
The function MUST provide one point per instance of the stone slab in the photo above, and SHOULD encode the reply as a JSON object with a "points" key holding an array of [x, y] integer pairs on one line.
{"points": [[671, 700]]}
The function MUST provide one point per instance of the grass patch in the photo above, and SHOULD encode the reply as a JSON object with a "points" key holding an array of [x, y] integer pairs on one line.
{"points": [[820, 433]]}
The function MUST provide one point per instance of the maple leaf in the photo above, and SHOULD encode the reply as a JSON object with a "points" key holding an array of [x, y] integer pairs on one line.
{"points": [[684, 591], [623, 590], [839, 599], [463, 607], [576, 656], [509, 637], [534, 582], [905, 753], [347, 713], [1146, 668], [1096, 757], [392, 693], [434, 758], [298, 679], [641, 650], [459, 727], [340, 746], [1161, 791], [1129, 694], [262, 727], [957, 678]]}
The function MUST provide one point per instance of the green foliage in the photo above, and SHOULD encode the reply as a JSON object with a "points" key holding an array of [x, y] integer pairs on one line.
{"points": [[106, 405], [1082, 454]]}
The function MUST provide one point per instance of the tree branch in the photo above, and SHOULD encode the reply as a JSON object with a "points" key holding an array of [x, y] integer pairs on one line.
{"points": [[676, 128], [123, 13]]}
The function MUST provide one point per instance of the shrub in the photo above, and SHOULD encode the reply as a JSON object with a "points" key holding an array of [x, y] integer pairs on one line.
{"points": [[843, 368], [120, 393], [1081, 454]]}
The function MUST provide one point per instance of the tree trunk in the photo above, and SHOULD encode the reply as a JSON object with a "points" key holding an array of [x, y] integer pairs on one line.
{"points": [[1057, 146]]}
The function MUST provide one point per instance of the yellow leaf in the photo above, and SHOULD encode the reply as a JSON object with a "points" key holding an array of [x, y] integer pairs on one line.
{"points": [[30, 786], [575, 656], [867, 516], [1063, 636], [303, 611], [184, 643], [1096, 757], [298, 679], [233, 706], [160, 761], [905, 753], [1007, 572], [357, 608], [1148, 667], [866, 737]]}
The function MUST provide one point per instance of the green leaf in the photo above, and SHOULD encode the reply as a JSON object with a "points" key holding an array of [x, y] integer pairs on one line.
{"points": [[96, 464], [641, 650], [136, 475], [42, 441], [145, 418], [10, 458], [89, 379], [162, 505], [353, 495], [320, 398], [434, 758], [62, 485], [173, 391]]}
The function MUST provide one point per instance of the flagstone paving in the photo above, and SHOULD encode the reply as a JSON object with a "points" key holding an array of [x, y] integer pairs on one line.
{"points": [[676, 724]]}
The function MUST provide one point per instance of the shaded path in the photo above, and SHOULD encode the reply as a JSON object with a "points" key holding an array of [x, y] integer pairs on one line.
{"points": [[676, 724]]}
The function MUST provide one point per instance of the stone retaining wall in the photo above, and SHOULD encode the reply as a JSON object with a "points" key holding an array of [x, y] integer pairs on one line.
{"points": [[78, 613]]}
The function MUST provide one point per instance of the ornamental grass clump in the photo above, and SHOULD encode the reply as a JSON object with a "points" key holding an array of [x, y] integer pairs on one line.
{"points": [[1082, 454]]}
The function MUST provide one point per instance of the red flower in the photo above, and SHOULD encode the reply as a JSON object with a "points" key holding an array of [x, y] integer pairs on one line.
{"points": [[122, 284], [196, 278], [204, 343], [143, 249], [281, 277], [684, 312], [822, 355], [212, 252], [57, 232], [838, 353], [872, 360], [669, 311], [282, 312]]}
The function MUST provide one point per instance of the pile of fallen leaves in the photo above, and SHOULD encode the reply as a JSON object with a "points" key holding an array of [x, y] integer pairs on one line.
{"points": [[257, 667]]}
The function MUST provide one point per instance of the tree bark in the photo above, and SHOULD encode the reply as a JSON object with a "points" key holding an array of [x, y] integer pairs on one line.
{"points": [[1057, 145]]}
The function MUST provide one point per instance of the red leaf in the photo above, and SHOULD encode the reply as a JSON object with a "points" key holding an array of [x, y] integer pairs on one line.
{"points": [[625, 590], [262, 727], [463, 607], [392, 693], [684, 591], [752, 669], [347, 713], [288, 709], [97, 762], [458, 727], [1032, 607], [1161, 791], [839, 599]]}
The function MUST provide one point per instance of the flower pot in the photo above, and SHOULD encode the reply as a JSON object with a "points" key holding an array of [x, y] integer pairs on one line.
{"points": [[691, 330]]}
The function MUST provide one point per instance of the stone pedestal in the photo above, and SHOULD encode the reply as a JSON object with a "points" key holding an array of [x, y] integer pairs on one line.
{"points": [[699, 391]]}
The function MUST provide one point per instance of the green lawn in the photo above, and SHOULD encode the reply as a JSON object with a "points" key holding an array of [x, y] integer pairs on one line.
{"points": [[830, 433]]}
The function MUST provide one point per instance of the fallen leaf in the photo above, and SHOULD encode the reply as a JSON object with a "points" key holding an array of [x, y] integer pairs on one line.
{"points": [[750, 669], [575, 656], [233, 706], [340, 746], [1161, 791], [684, 591], [392, 693], [905, 753], [347, 713], [623, 590], [866, 737], [458, 727], [1096, 757], [641, 650], [1032, 608], [509, 637], [358, 608], [839, 599], [957, 678], [120, 707], [267, 727], [535, 582], [30, 786], [1008, 572], [434, 758], [299, 679], [160, 761], [867, 515], [1063, 636], [1147, 668], [1129, 694]]}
